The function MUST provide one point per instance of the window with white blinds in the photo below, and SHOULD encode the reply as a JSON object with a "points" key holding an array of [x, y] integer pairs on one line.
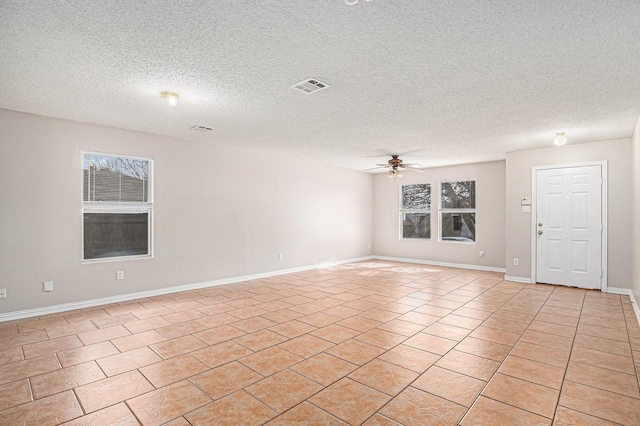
{"points": [[117, 206]]}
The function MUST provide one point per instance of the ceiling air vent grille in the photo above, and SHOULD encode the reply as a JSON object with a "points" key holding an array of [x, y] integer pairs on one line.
{"points": [[202, 129], [309, 86]]}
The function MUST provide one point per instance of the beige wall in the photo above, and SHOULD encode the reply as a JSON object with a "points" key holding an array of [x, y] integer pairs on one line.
{"points": [[635, 158], [519, 168], [490, 217], [219, 213]]}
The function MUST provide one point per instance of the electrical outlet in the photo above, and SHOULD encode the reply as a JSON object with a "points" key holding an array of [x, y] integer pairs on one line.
{"points": [[3, 293], [516, 261], [281, 256], [481, 253], [369, 245], [120, 275]]}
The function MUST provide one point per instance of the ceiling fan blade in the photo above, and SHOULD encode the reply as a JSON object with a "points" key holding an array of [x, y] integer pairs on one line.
{"points": [[411, 168], [383, 165], [375, 168]]}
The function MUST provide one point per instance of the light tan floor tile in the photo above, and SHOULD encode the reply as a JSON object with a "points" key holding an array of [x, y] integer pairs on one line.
{"points": [[306, 414], [118, 414], [67, 378], [106, 392], [350, 401], [356, 352], [225, 380], [28, 368], [15, 393], [384, 376], [127, 361], [543, 354], [449, 385], [239, 408], [567, 417], [430, 343], [221, 353], [489, 412], [613, 381], [600, 403], [180, 346], [270, 360], [173, 370], [533, 371], [51, 346], [525, 395], [51, 410], [86, 353], [152, 407], [324, 368], [283, 390], [416, 407]]}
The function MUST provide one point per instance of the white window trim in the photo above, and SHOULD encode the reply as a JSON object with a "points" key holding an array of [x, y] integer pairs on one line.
{"points": [[404, 211], [118, 207], [442, 210]]}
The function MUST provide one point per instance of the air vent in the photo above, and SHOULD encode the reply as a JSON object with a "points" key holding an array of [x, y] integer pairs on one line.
{"points": [[309, 86], [202, 129]]}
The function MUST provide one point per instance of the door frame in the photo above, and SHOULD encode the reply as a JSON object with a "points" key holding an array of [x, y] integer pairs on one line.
{"points": [[603, 201]]}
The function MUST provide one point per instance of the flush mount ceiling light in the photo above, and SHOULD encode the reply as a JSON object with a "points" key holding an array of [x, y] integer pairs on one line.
{"points": [[353, 2], [169, 98], [560, 139]]}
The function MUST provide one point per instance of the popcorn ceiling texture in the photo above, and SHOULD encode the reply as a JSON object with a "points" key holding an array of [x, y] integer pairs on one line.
{"points": [[441, 82]]}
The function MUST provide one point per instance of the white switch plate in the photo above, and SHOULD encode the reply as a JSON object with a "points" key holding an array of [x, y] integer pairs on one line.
{"points": [[120, 275], [3, 293], [47, 286], [526, 209]]}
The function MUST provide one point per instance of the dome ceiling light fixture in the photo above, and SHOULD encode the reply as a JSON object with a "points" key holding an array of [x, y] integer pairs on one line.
{"points": [[560, 139], [169, 98], [354, 2]]}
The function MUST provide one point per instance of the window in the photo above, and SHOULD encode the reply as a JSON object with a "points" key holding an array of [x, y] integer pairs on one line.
{"points": [[415, 211], [116, 207], [457, 211]]}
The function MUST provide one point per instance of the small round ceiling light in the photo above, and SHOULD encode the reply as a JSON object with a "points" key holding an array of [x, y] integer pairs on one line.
{"points": [[169, 98], [560, 139]]}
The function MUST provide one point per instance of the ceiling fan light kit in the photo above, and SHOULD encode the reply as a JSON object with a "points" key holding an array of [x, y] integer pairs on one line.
{"points": [[396, 167]]}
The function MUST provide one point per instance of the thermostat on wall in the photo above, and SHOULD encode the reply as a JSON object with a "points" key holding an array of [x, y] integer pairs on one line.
{"points": [[526, 201]]}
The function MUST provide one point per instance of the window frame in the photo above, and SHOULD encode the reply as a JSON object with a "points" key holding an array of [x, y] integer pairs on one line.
{"points": [[115, 207], [403, 211], [442, 211]]}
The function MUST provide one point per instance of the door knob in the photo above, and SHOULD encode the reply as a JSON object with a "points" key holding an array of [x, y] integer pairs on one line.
{"points": [[540, 232], [540, 224]]}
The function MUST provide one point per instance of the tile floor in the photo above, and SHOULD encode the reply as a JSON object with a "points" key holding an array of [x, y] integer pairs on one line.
{"points": [[374, 343]]}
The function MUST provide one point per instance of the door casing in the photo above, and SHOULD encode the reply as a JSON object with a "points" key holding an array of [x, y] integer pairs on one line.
{"points": [[534, 193]]}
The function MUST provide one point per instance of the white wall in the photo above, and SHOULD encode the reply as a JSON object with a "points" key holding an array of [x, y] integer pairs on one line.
{"points": [[490, 217], [219, 212], [635, 158], [519, 169]]}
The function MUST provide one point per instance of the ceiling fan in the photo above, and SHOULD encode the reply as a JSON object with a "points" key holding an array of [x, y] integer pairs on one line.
{"points": [[396, 167]]}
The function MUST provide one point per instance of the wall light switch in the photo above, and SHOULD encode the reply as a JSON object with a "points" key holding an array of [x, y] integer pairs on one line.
{"points": [[120, 275], [526, 209], [47, 286]]}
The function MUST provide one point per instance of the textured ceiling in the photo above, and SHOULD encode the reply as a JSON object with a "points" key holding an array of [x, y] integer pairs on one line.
{"points": [[438, 81]]}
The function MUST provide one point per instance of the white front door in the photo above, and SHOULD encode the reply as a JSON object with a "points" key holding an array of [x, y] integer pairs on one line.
{"points": [[569, 226]]}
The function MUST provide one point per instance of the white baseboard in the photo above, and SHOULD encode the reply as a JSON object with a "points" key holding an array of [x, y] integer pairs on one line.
{"points": [[445, 264], [517, 279], [27, 313]]}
